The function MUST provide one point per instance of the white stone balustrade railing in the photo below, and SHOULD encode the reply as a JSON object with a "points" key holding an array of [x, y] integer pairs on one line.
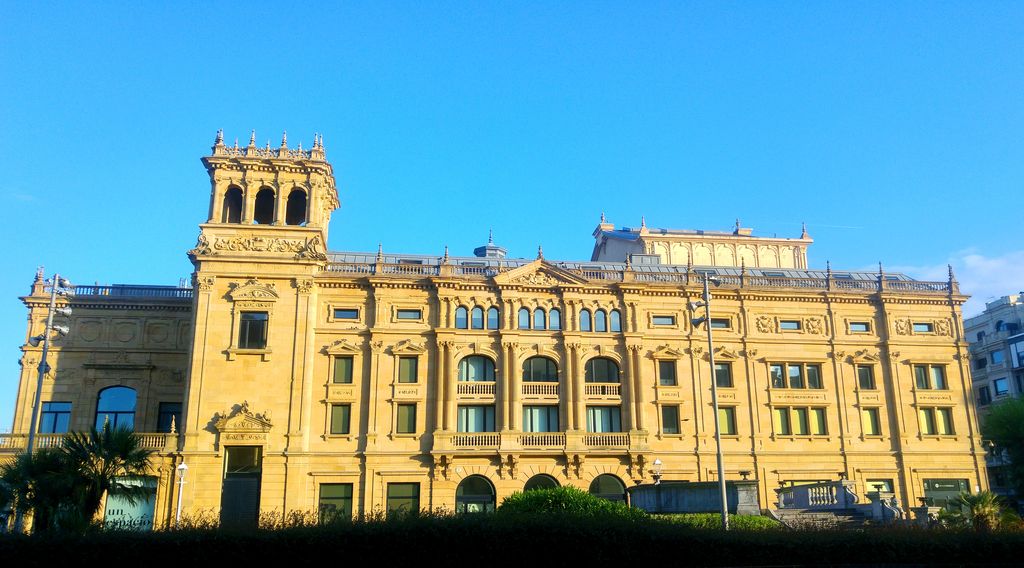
{"points": [[606, 440], [540, 389], [18, 442], [824, 496], [475, 388], [602, 389], [487, 439]]}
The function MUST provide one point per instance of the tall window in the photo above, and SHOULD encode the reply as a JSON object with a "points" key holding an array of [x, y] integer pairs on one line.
{"points": [[930, 377], [264, 210], [403, 498], [936, 421], [866, 377], [540, 369], [252, 330], [796, 376], [492, 318], [870, 422], [667, 372], [55, 418], [538, 319], [800, 421], [232, 210], [461, 317], [723, 375], [604, 419], [116, 408], [600, 321], [405, 419], [478, 418], [477, 321], [984, 396], [727, 420], [524, 318], [168, 413], [670, 419], [340, 415], [555, 319], [540, 419], [475, 495], [615, 320], [601, 370], [408, 367], [585, 320], [342, 370], [295, 210], [476, 368], [335, 501]]}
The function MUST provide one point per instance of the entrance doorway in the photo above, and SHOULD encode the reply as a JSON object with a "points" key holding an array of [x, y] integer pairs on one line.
{"points": [[240, 493], [941, 491]]}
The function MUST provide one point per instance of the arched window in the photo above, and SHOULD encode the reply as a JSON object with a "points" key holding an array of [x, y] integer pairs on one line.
{"points": [[232, 210], [492, 318], [601, 370], [264, 212], [461, 317], [540, 369], [538, 319], [1000, 326], [524, 318], [476, 368], [477, 321], [981, 336], [116, 408], [475, 495], [295, 211], [555, 319], [540, 481], [607, 486], [600, 321], [616, 320], [585, 320]]}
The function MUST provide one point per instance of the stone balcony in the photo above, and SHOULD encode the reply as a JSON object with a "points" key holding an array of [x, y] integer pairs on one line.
{"points": [[469, 443], [15, 443]]}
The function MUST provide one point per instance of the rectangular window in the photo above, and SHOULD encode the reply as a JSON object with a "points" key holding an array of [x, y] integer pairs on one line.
{"points": [[984, 398], [403, 498], [409, 314], [796, 376], [998, 357], [789, 325], [819, 426], [54, 418], [670, 419], [869, 421], [346, 314], [800, 421], [721, 323], [604, 419], [252, 330], [727, 420], [782, 425], [663, 320], [335, 501], [407, 369], [980, 363], [866, 377], [926, 418], [405, 421], [860, 327], [723, 375], [944, 417], [921, 327], [168, 413], [540, 419], [340, 414], [813, 376], [883, 485], [476, 419], [930, 377], [667, 373], [342, 370], [1001, 386]]}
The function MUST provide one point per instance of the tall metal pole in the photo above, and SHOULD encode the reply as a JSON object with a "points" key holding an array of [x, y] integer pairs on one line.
{"points": [[714, 402], [19, 518]]}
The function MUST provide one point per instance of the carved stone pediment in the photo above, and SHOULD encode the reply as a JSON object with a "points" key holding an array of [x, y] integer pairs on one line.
{"points": [[726, 353], [341, 346], [242, 420], [539, 273], [408, 346], [666, 352], [254, 290], [865, 355]]}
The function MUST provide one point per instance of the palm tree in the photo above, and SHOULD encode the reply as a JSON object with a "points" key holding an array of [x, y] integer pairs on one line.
{"points": [[102, 461], [39, 484], [983, 509]]}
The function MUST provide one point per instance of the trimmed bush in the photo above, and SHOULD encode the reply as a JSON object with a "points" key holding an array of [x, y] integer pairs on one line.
{"points": [[568, 501], [713, 521]]}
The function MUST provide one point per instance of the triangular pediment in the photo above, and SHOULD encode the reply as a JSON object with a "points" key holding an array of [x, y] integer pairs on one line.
{"points": [[241, 419], [539, 273], [865, 355], [253, 289], [341, 346], [408, 346], [666, 352], [726, 353]]}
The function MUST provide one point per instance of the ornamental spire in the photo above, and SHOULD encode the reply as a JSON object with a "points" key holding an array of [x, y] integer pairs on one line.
{"points": [[284, 139], [540, 252], [252, 139]]}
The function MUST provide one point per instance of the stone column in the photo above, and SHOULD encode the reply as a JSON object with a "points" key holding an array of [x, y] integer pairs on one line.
{"points": [[439, 384], [512, 379], [626, 380], [450, 393], [638, 387], [574, 400]]}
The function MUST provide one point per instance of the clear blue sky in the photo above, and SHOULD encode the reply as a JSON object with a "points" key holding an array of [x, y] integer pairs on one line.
{"points": [[893, 129]]}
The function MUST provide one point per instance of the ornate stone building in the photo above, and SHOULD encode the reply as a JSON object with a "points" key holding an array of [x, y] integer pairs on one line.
{"points": [[292, 378]]}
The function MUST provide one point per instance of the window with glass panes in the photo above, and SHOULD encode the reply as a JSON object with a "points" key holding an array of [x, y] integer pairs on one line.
{"points": [[727, 420], [342, 369], [930, 377], [252, 330], [670, 419], [866, 377], [870, 422], [799, 421], [476, 368], [54, 418], [407, 369], [540, 369], [604, 419], [796, 376], [340, 415], [723, 375], [168, 413], [405, 419], [403, 497], [335, 501], [476, 418], [667, 373], [936, 421], [540, 419], [601, 370]]}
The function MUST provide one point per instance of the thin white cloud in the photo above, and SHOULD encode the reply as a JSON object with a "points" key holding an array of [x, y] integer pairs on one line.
{"points": [[984, 278]]}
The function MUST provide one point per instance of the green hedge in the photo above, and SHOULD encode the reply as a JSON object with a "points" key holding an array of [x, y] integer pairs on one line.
{"points": [[714, 521], [568, 501]]}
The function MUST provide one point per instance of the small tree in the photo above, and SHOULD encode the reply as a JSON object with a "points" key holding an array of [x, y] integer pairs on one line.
{"points": [[40, 485], [1003, 425], [100, 461], [983, 510]]}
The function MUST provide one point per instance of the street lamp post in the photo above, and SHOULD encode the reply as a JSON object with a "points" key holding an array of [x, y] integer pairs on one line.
{"points": [[706, 319], [182, 470]]}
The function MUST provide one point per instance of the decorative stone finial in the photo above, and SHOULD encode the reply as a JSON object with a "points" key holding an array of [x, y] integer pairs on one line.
{"points": [[629, 263], [40, 273], [743, 265], [268, 143], [602, 218], [803, 231], [952, 278], [284, 139], [252, 139], [174, 428], [445, 254], [828, 268], [540, 252], [490, 236], [737, 225], [300, 146], [236, 143], [380, 252], [880, 272], [220, 138], [643, 222]]}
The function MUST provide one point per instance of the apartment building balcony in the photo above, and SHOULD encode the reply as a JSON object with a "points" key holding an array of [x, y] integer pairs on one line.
{"points": [[159, 442], [476, 443]]}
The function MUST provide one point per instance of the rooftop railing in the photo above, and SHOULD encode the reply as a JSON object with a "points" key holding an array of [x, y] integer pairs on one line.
{"points": [[121, 291]]}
